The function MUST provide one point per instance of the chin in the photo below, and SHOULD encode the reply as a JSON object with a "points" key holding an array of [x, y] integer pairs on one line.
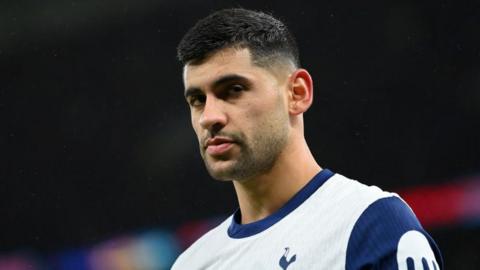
{"points": [[226, 170], [222, 174]]}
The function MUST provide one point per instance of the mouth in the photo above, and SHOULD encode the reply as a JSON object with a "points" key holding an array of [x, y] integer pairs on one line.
{"points": [[218, 146]]}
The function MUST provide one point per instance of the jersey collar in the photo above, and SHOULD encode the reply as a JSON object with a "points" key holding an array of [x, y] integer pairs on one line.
{"points": [[237, 230]]}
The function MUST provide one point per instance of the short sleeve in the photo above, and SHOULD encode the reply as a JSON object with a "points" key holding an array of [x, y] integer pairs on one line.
{"points": [[388, 236]]}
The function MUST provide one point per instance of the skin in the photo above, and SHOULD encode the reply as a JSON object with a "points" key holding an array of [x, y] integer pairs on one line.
{"points": [[255, 114]]}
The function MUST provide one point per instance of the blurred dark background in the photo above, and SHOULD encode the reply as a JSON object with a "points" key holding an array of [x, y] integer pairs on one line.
{"points": [[96, 139]]}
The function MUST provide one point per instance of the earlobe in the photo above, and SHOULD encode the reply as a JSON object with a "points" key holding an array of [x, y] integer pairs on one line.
{"points": [[301, 92]]}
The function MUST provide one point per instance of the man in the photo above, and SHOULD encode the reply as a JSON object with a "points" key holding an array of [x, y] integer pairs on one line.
{"points": [[247, 95]]}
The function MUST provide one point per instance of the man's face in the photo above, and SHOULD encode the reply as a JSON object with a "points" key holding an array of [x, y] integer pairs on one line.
{"points": [[239, 113]]}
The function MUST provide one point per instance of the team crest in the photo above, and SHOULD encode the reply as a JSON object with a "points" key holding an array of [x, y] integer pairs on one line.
{"points": [[285, 261]]}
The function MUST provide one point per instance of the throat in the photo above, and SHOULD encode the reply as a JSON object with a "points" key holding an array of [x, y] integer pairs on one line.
{"points": [[262, 197]]}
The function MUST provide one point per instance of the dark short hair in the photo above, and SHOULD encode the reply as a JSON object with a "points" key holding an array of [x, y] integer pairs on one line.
{"points": [[267, 38]]}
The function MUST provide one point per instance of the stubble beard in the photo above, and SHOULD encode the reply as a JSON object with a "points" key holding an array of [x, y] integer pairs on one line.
{"points": [[256, 156]]}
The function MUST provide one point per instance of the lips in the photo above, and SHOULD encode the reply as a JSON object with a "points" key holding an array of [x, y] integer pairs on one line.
{"points": [[218, 145]]}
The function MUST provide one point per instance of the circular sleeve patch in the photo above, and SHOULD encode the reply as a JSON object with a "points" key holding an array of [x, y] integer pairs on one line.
{"points": [[414, 252]]}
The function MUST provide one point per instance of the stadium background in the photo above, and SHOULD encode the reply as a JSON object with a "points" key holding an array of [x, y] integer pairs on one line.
{"points": [[99, 165]]}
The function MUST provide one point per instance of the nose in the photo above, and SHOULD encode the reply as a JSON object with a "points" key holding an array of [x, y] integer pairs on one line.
{"points": [[213, 115]]}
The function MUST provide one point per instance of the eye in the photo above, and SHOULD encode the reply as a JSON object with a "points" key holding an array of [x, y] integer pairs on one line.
{"points": [[196, 100], [236, 88]]}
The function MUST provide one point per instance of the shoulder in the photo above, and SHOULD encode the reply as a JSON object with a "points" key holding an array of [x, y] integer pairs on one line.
{"points": [[387, 235], [202, 247], [351, 195]]}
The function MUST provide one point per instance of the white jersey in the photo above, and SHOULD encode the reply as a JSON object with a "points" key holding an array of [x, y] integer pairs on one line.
{"points": [[332, 223]]}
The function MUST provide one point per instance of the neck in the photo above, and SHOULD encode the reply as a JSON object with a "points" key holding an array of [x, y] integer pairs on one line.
{"points": [[262, 195]]}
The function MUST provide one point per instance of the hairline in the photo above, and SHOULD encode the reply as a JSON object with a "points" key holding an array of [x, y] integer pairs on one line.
{"points": [[271, 63]]}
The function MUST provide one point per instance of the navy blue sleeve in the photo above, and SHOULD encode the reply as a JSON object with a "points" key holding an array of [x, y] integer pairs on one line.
{"points": [[389, 236]]}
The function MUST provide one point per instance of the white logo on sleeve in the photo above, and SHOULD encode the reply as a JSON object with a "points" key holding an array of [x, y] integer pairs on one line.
{"points": [[414, 253]]}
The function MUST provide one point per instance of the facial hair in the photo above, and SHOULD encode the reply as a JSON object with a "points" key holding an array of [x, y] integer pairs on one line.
{"points": [[258, 153]]}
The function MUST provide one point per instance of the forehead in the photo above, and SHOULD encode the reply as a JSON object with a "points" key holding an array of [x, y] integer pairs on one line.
{"points": [[225, 62]]}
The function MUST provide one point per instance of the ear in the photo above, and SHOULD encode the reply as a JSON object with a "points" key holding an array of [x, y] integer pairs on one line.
{"points": [[300, 92]]}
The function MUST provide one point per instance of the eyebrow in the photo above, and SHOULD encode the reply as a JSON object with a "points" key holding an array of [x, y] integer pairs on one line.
{"points": [[191, 91]]}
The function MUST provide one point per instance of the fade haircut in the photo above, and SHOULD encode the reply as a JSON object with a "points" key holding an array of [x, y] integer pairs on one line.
{"points": [[268, 39]]}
